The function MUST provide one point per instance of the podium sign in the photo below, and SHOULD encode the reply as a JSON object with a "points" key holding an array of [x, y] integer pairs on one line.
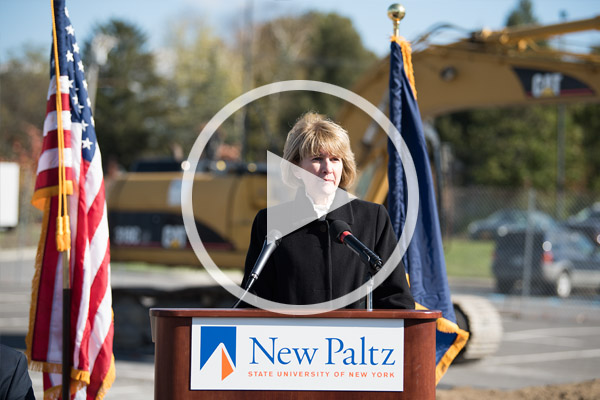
{"points": [[230, 354], [329, 354]]}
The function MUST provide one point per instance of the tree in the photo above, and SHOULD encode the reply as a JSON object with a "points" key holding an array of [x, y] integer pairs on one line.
{"points": [[511, 147], [522, 14], [202, 76], [314, 46], [129, 112], [587, 117], [24, 79]]}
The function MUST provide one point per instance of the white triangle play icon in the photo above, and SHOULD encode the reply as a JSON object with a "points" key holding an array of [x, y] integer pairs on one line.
{"points": [[287, 211]]}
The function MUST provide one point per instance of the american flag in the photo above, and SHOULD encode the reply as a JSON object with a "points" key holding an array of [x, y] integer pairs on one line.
{"points": [[92, 357]]}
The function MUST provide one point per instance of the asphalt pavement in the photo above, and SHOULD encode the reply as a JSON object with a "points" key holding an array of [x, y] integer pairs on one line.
{"points": [[546, 340]]}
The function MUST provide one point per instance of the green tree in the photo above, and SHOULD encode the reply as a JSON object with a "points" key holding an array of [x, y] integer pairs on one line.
{"points": [[24, 81], [129, 113], [522, 14], [315, 46], [202, 75], [587, 118], [511, 147]]}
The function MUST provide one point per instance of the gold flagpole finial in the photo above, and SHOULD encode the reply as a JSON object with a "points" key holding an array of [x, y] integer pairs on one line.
{"points": [[396, 12]]}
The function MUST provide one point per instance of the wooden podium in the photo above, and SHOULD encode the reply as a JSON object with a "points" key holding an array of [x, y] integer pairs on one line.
{"points": [[171, 333]]}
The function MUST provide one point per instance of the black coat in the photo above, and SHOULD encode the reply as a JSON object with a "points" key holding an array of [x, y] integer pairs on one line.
{"points": [[15, 383], [309, 267]]}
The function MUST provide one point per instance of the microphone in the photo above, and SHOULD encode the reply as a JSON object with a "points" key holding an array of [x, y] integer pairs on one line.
{"points": [[271, 242], [340, 232]]}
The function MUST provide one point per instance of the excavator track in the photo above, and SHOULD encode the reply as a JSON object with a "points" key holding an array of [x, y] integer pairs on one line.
{"points": [[479, 317]]}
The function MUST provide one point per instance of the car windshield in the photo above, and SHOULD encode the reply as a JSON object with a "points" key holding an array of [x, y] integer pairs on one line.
{"points": [[587, 213], [505, 216], [540, 220], [544, 221], [571, 241]]}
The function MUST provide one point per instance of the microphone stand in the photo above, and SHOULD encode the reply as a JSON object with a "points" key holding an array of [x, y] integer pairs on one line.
{"points": [[240, 299], [369, 298], [271, 242]]}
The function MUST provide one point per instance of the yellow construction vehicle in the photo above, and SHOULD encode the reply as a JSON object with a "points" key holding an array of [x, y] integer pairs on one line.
{"points": [[487, 69]]}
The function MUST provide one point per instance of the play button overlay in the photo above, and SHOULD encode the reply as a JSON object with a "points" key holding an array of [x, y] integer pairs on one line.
{"points": [[189, 220], [287, 208]]}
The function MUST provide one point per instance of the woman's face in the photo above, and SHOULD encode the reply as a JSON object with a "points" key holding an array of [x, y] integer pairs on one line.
{"points": [[325, 166]]}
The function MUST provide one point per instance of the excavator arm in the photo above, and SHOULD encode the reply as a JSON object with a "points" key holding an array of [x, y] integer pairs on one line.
{"points": [[487, 69]]}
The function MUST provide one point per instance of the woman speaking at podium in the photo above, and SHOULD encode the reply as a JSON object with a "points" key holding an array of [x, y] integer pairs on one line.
{"points": [[310, 264]]}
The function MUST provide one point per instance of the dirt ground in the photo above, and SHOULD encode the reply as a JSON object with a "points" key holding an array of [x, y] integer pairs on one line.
{"points": [[589, 390]]}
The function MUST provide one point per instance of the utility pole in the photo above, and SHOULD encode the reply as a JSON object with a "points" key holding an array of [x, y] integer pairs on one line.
{"points": [[560, 147], [101, 45], [247, 79]]}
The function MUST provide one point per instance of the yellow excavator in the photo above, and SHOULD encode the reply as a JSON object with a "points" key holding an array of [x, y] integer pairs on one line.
{"points": [[486, 69]]}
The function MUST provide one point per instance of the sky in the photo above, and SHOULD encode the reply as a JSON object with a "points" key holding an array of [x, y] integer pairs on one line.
{"points": [[28, 22]]}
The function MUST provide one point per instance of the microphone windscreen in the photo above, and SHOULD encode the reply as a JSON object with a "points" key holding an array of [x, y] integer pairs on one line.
{"points": [[336, 228], [273, 236]]}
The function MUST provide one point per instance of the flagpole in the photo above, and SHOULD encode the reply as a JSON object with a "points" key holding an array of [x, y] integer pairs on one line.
{"points": [[396, 12], [66, 337]]}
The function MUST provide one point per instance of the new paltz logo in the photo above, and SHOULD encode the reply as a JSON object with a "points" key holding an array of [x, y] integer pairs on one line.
{"points": [[218, 341]]}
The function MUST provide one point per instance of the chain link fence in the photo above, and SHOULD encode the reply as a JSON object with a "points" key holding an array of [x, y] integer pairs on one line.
{"points": [[520, 242], [526, 242]]}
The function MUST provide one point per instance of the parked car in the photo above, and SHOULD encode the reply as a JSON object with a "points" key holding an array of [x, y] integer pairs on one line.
{"points": [[508, 220], [561, 260], [587, 221]]}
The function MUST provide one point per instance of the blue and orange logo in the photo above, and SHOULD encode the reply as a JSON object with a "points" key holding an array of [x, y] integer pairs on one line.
{"points": [[211, 337]]}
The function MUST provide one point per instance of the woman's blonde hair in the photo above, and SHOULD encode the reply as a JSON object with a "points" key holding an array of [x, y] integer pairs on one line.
{"points": [[312, 134]]}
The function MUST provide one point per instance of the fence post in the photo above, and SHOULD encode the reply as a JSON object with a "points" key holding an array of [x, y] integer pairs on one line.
{"points": [[528, 252]]}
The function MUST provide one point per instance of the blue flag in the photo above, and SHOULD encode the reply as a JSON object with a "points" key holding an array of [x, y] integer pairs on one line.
{"points": [[424, 258]]}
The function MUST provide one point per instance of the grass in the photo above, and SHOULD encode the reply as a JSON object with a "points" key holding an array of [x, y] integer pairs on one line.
{"points": [[139, 266], [469, 258]]}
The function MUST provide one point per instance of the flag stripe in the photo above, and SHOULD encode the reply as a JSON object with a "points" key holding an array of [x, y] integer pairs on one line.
{"points": [[101, 376], [76, 144], [51, 105], [65, 86], [49, 178], [49, 159], [99, 244], [94, 189], [97, 328], [51, 141], [51, 123], [81, 277]]}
